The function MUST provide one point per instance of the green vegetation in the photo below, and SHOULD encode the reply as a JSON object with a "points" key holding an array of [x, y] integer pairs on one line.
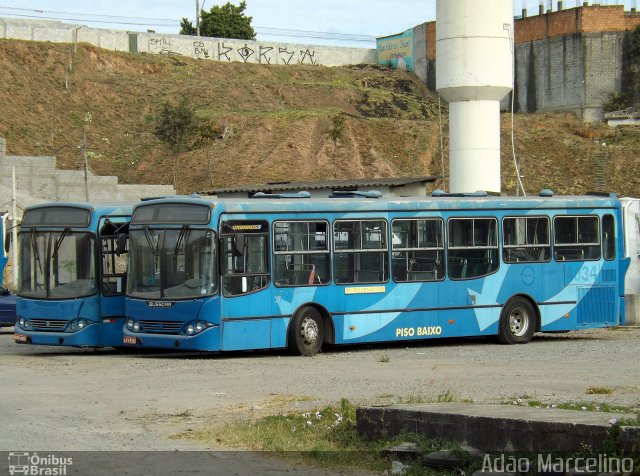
{"points": [[325, 437], [630, 93], [589, 407], [226, 21], [444, 397]]}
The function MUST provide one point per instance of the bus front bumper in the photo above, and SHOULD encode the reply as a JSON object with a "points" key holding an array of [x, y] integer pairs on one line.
{"points": [[207, 340], [87, 337], [105, 334]]}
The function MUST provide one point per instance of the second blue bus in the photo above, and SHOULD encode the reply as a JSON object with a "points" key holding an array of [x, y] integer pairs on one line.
{"points": [[72, 273]]}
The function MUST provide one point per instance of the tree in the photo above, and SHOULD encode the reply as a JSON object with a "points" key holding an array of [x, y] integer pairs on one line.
{"points": [[226, 21], [174, 126]]}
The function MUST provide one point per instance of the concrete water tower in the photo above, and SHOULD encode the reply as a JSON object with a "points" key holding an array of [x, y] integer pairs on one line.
{"points": [[474, 58]]}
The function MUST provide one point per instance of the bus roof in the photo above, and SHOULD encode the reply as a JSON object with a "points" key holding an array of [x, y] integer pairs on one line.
{"points": [[391, 203]]}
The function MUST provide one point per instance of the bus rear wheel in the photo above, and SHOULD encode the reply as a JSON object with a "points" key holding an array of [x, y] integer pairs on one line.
{"points": [[306, 332], [517, 322]]}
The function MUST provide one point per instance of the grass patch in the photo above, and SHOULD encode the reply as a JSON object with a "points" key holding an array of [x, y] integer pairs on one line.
{"points": [[445, 397], [585, 406], [384, 358], [286, 113], [595, 390], [326, 437]]}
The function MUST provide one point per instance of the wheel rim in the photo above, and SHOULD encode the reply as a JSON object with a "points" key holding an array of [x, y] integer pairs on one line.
{"points": [[519, 321], [309, 330]]}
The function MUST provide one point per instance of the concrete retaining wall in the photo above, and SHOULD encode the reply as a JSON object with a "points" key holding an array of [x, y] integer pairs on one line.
{"points": [[218, 49], [38, 180], [498, 428]]}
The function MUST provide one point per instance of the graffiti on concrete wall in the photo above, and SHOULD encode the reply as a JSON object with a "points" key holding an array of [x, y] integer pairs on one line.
{"points": [[224, 50], [159, 46], [200, 50]]}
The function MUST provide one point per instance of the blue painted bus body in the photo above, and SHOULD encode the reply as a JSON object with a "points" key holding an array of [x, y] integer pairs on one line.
{"points": [[566, 295], [53, 319]]}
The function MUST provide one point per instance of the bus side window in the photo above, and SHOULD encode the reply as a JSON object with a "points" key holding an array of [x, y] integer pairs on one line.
{"points": [[360, 251], [576, 238], [418, 250], [473, 247], [301, 253], [609, 237], [525, 239]]}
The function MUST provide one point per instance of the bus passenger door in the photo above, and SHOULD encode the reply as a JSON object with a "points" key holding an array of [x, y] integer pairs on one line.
{"points": [[112, 236], [246, 301]]}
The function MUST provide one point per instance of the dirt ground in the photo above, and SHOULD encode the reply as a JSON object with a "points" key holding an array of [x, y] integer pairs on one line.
{"points": [[257, 123], [73, 399]]}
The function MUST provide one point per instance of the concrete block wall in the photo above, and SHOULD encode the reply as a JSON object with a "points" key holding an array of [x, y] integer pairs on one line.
{"points": [[38, 180], [603, 59], [218, 49], [549, 75]]}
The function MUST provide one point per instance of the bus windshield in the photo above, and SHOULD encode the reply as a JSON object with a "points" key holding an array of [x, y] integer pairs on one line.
{"points": [[172, 263], [57, 264]]}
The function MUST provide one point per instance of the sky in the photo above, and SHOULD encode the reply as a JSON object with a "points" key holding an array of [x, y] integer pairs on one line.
{"points": [[339, 22]]}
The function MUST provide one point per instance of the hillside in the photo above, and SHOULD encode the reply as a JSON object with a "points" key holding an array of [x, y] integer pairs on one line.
{"points": [[271, 123]]}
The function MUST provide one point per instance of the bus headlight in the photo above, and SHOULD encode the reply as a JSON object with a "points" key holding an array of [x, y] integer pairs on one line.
{"points": [[195, 327], [130, 324], [136, 327], [21, 321], [77, 325]]}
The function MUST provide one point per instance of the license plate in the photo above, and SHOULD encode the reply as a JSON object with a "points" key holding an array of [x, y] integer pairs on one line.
{"points": [[129, 340], [19, 338]]}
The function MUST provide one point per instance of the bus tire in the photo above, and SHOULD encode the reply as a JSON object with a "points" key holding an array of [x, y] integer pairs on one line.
{"points": [[306, 332], [517, 322]]}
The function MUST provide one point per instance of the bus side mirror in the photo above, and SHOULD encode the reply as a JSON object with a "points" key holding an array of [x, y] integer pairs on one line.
{"points": [[7, 242], [121, 243]]}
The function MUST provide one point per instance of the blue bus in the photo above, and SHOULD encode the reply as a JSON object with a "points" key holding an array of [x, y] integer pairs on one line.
{"points": [[72, 273], [296, 272]]}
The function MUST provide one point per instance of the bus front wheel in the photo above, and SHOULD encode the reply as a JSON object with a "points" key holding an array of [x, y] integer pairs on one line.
{"points": [[306, 332], [517, 322]]}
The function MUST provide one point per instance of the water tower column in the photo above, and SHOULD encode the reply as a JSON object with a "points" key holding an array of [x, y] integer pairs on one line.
{"points": [[474, 71]]}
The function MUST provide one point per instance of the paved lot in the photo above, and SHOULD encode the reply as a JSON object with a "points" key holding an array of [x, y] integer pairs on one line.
{"points": [[74, 399]]}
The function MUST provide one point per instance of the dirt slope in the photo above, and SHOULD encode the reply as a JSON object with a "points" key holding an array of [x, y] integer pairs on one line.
{"points": [[271, 123]]}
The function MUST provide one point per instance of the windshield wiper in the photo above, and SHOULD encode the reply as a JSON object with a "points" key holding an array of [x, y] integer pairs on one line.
{"points": [[63, 235], [149, 237], [34, 247], [179, 241]]}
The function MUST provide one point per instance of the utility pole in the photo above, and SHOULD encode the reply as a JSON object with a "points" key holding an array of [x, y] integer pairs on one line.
{"points": [[86, 164], [14, 229], [197, 17]]}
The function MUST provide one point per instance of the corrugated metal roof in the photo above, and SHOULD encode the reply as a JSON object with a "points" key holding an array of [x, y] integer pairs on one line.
{"points": [[332, 184]]}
